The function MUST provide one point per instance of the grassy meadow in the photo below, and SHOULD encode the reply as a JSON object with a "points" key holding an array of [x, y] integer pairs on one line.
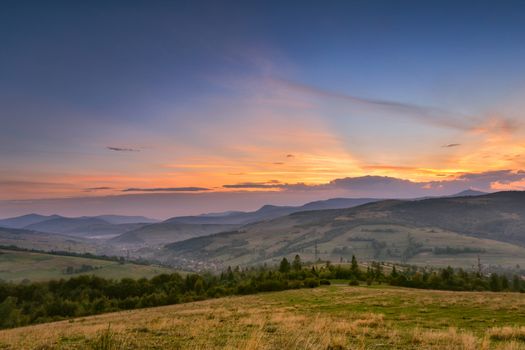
{"points": [[332, 317], [17, 266]]}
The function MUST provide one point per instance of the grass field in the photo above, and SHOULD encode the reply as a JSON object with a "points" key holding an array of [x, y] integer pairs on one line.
{"points": [[17, 266], [268, 242], [334, 317]]}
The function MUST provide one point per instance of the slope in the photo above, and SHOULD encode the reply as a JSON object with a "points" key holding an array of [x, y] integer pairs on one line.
{"points": [[167, 232], [334, 317], [26, 220], [17, 266], [83, 227], [436, 231]]}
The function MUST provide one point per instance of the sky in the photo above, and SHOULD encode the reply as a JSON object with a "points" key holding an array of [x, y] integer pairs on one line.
{"points": [[181, 107]]}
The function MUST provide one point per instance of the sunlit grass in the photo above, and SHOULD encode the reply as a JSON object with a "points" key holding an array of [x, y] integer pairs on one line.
{"points": [[335, 317]]}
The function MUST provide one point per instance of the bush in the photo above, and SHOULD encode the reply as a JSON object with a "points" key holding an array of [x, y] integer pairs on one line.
{"points": [[311, 282], [353, 282], [324, 282]]}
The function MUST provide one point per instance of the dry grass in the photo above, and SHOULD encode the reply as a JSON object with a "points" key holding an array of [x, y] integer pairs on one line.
{"points": [[333, 318], [507, 333]]}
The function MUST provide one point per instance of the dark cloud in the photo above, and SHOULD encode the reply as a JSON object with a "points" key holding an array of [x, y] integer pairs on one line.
{"points": [[451, 145], [501, 176], [122, 149], [290, 156], [247, 185], [89, 189], [391, 187], [167, 189]]}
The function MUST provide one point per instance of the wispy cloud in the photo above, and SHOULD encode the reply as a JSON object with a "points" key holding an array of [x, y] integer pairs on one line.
{"points": [[166, 189], [432, 115], [450, 145], [257, 185], [102, 188], [122, 149]]}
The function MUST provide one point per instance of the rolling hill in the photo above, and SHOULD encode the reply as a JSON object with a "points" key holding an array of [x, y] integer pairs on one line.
{"points": [[268, 212], [436, 231], [83, 227], [125, 219], [185, 227], [166, 232], [26, 220], [17, 266], [92, 227], [46, 241]]}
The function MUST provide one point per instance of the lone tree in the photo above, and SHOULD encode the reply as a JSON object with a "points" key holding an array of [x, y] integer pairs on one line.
{"points": [[284, 267], [297, 265], [354, 267]]}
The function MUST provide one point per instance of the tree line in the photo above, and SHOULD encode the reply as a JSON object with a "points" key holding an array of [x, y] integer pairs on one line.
{"points": [[29, 303], [424, 278]]}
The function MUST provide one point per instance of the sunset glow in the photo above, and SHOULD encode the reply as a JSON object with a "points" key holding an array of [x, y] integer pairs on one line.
{"points": [[189, 107]]}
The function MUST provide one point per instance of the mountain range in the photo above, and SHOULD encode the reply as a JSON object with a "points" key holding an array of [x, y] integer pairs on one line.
{"points": [[85, 226], [435, 231]]}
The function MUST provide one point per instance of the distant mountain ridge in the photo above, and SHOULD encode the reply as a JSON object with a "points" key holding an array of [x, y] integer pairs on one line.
{"points": [[268, 212], [139, 230], [469, 193], [26, 220], [491, 225], [78, 226]]}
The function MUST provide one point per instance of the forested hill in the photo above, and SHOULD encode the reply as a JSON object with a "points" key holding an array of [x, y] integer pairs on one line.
{"points": [[492, 225]]}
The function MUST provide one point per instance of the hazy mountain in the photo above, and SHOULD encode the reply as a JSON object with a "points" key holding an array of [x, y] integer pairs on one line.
{"points": [[43, 241], [268, 212], [26, 220], [336, 203], [123, 219], [82, 226], [167, 232], [418, 231], [469, 193]]}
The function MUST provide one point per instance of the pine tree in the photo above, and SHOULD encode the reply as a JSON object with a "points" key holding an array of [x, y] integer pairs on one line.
{"points": [[394, 272], [297, 265], [284, 267], [354, 267]]}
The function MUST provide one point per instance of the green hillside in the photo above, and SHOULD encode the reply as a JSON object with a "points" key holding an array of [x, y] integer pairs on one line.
{"points": [[438, 232], [17, 266], [334, 317], [29, 239]]}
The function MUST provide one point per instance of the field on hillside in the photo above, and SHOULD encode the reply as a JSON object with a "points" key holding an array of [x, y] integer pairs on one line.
{"points": [[379, 242], [334, 317], [17, 266], [430, 232], [45, 241]]}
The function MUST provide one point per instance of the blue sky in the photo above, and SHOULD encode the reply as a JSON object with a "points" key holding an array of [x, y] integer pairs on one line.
{"points": [[207, 94]]}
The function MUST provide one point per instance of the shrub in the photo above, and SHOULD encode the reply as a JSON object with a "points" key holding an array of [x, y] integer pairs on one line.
{"points": [[311, 282], [353, 282]]}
